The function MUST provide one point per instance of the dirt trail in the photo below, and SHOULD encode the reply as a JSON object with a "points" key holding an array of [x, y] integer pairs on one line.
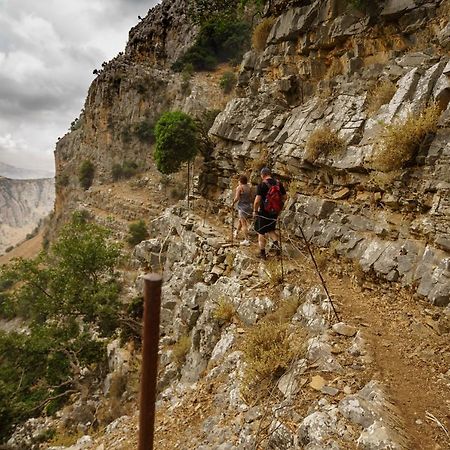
{"points": [[409, 339], [28, 249], [411, 356]]}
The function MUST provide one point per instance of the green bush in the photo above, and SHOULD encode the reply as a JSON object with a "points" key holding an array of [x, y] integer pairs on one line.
{"points": [[125, 170], [144, 131], [221, 39], [69, 300], [201, 11], [227, 82], [86, 174], [176, 141], [125, 135], [137, 232]]}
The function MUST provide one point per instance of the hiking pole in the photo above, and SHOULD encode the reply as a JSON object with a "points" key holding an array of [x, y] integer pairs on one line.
{"points": [[319, 273], [152, 308], [281, 252]]}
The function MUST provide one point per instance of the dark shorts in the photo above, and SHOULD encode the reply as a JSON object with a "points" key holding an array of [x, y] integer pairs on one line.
{"points": [[265, 223]]}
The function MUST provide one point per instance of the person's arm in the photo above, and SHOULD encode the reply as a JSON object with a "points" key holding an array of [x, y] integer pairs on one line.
{"points": [[256, 204], [258, 199]]}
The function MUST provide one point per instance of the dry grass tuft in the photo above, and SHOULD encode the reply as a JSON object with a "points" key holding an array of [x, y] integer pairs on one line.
{"points": [[379, 95], [294, 188], [400, 142], [268, 349], [274, 273], [384, 181], [261, 33], [285, 312], [323, 141], [180, 349], [224, 311], [261, 160]]}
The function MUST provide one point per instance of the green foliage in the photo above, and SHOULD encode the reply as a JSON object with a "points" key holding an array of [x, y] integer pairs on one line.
{"points": [[86, 174], [358, 4], [137, 232], [125, 170], [144, 131], [67, 297], [227, 82], [176, 141], [203, 10], [125, 135], [220, 39]]}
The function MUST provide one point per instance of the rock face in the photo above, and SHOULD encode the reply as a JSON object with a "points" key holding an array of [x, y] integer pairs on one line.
{"points": [[319, 63], [23, 203]]}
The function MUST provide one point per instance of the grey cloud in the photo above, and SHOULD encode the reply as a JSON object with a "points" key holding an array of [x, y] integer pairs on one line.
{"points": [[48, 50]]}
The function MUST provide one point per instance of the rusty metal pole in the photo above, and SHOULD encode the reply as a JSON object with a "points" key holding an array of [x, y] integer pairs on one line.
{"points": [[152, 307]]}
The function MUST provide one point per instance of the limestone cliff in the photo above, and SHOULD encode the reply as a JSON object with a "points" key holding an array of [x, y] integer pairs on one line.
{"points": [[23, 203], [321, 60], [318, 65]]}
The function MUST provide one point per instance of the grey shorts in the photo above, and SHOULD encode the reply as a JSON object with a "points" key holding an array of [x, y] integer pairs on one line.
{"points": [[245, 213]]}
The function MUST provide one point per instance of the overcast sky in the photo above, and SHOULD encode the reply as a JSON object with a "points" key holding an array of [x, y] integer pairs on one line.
{"points": [[48, 50]]}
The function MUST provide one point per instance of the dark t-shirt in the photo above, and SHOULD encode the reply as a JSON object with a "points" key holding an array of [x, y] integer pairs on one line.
{"points": [[263, 189]]}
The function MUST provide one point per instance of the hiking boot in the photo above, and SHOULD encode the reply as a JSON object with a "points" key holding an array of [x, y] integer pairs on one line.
{"points": [[276, 248], [262, 255], [245, 242]]}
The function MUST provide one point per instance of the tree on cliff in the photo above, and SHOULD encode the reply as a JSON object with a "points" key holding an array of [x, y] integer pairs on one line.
{"points": [[176, 141], [68, 300]]}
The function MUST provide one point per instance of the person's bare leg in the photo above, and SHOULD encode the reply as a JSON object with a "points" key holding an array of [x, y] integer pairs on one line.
{"points": [[261, 241], [273, 235], [245, 229]]}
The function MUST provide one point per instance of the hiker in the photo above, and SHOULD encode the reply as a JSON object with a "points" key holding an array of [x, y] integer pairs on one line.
{"points": [[244, 199], [269, 200]]}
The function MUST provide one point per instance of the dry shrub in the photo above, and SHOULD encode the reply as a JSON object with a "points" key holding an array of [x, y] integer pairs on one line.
{"points": [[294, 188], [262, 159], [274, 273], [268, 349], [285, 312], [63, 438], [384, 181], [180, 349], [261, 33], [400, 142], [379, 95], [322, 259], [323, 141], [112, 407], [224, 311]]}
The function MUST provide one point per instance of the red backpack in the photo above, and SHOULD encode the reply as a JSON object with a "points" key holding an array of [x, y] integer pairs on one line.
{"points": [[273, 203]]}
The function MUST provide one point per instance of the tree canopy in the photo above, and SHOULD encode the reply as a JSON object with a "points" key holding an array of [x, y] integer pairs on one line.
{"points": [[176, 141], [68, 300]]}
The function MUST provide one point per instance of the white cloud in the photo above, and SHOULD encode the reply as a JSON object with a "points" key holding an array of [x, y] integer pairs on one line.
{"points": [[48, 50]]}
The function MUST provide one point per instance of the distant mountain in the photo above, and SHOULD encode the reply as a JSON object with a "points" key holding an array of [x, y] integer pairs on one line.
{"points": [[17, 173], [23, 203]]}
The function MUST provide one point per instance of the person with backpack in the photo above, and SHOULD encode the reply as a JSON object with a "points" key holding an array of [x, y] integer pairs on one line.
{"points": [[269, 201], [243, 198]]}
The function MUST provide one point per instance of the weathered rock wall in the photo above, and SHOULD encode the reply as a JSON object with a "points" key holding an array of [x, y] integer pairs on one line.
{"points": [[320, 61], [23, 203], [125, 100]]}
